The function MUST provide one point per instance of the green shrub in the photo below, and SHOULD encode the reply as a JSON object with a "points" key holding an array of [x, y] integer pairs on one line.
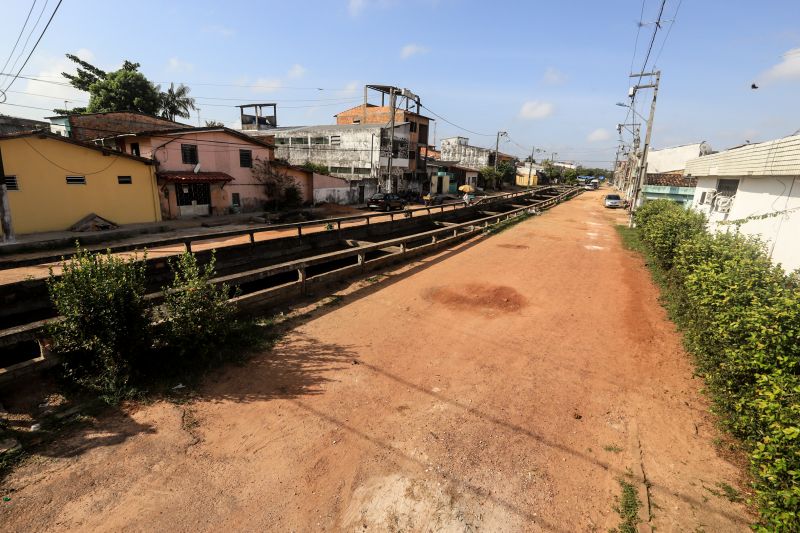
{"points": [[740, 316], [104, 331], [664, 226], [196, 318], [292, 197]]}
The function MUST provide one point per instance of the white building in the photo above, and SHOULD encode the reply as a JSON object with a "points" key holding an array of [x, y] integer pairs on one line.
{"points": [[673, 159], [356, 152], [755, 187]]}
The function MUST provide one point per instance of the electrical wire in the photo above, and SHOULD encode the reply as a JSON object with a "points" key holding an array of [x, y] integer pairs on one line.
{"points": [[669, 30], [116, 157], [21, 31], [28, 38], [456, 125], [53, 14]]}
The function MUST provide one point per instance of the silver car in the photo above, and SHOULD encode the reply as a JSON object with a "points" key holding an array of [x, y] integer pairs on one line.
{"points": [[613, 201]]}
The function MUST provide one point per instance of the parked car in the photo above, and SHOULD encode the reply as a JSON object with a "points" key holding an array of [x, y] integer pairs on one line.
{"points": [[613, 201], [433, 199], [385, 201]]}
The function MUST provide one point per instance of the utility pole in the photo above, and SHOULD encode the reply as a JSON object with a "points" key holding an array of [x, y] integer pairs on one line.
{"points": [[391, 138], [5, 208], [497, 147], [530, 166], [642, 174]]}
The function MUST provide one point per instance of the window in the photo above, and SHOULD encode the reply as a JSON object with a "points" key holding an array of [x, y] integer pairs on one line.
{"points": [[282, 140], [76, 180], [135, 149], [245, 158], [365, 171], [124, 180], [11, 183], [727, 187], [340, 170], [189, 154], [412, 126], [235, 200], [422, 138], [319, 140], [336, 140], [299, 140], [356, 121]]}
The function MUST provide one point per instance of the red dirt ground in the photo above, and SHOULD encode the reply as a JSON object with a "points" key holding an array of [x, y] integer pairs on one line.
{"points": [[506, 384]]}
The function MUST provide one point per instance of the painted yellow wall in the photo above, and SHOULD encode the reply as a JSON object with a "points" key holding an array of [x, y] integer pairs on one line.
{"points": [[522, 181], [44, 201]]}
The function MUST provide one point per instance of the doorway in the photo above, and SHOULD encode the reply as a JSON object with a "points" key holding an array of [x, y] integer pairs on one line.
{"points": [[193, 199]]}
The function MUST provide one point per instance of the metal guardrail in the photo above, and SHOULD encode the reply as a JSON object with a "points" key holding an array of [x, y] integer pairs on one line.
{"points": [[438, 237], [187, 240]]}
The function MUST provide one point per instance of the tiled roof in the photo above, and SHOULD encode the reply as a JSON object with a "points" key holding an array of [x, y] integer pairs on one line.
{"points": [[671, 180], [191, 177]]}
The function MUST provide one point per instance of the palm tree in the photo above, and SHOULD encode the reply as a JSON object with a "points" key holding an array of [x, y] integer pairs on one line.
{"points": [[176, 102]]}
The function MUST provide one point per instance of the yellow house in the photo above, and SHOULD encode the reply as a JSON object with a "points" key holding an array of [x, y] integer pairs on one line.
{"points": [[52, 182]]}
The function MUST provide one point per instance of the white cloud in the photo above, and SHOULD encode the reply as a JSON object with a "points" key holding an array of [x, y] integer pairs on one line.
{"points": [[297, 71], [412, 50], [219, 31], [49, 69], [598, 135], [787, 69], [534, 110], [266, 85], [553, 76], [355, 7], [176, 65], [351, 89]]}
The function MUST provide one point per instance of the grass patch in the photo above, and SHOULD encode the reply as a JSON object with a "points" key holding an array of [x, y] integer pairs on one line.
{"points": [[631, 238], [332, 300], [613, 448], [628, 505]]}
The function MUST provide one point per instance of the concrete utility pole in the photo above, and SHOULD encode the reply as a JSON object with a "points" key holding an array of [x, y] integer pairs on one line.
{"points": [[497, 147], [640, 178], [392, 102], [530, 166], [5, 208]]}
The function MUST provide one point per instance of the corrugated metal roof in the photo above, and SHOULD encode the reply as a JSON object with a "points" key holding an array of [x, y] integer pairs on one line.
{"points": [[780, 157]]}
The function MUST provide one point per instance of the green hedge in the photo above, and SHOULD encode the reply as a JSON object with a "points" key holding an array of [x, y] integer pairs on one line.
{"points": [[740, 316]]}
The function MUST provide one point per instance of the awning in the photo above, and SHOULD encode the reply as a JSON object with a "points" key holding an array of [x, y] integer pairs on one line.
{"points": [[192, 177]]}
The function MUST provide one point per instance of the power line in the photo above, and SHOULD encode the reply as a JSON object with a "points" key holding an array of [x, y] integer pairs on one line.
{"points": [[28, 38], [669, 30], [456, 125], [53, 14], [21, 31]]}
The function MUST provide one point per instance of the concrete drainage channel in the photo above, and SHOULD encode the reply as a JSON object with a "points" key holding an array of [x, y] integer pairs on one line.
{"points": [[275, 271]]}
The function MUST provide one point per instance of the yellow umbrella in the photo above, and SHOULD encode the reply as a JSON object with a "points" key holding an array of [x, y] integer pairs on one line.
{"points": [[466, 188]]}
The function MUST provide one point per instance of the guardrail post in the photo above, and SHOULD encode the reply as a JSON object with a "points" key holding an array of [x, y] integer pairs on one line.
{"points": [[455, 232], [188, 245], [301, 278], [252, 237], [402, 247], [339, 225], [433, 239], [362, 257], [299, 231]]}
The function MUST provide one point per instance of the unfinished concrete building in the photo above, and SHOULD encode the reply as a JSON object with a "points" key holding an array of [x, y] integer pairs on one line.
{"points": [[406, 110], [358, 153], [474, 157]]}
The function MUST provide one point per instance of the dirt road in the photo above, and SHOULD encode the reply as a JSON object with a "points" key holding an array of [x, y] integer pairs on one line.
{"points": [[504, 385]]}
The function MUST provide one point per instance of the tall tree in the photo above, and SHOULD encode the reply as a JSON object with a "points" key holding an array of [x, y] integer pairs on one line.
{"points": [[125, 89], [176, 102]]}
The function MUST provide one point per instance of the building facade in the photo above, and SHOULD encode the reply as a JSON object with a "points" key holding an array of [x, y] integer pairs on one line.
{"points": [[207, 171], [105, 128], [53, 182], [356, 152], [474, 157], [754, 189]]}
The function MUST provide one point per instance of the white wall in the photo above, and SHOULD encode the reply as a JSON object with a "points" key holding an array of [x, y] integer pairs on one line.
{"points": [[757, 196], [674, 159]]}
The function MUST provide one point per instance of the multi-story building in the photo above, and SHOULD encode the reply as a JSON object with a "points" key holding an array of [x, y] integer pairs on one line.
{"points": [[475, 157], [358, 153], [406, 110]]}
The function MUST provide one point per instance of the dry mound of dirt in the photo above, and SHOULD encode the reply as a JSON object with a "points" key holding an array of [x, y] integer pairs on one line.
{"points": [[479, 296]]}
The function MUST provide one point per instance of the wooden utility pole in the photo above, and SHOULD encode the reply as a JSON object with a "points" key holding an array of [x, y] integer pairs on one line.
{"points": [[530, 166], [5, 208], [497, 148], [641, 175]]}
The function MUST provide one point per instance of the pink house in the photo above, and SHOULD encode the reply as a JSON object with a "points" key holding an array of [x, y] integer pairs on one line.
{"points": [[207, 171]]}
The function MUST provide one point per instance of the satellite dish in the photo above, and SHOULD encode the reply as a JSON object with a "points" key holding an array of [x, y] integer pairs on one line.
{"points": [[197, 168]]}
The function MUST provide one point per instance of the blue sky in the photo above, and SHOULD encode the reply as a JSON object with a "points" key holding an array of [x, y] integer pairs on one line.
{"points": [[549, 73]]}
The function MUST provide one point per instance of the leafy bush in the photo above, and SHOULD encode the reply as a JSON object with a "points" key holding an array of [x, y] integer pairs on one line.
{"points": [[292, 196], [740, 316], [103, 334], [196, 318]]}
